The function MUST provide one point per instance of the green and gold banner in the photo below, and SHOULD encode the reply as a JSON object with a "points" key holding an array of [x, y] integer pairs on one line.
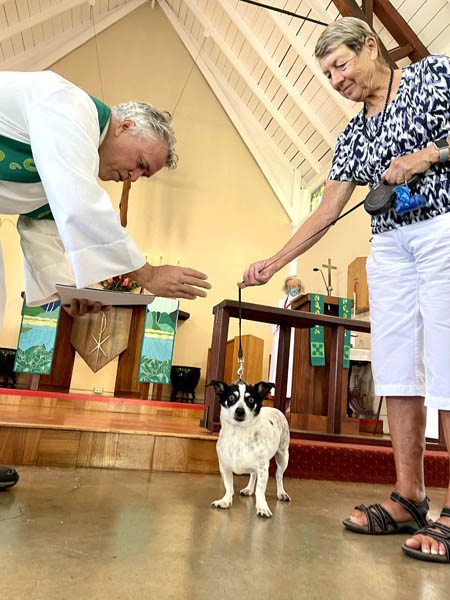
{"points": [[345, 311], [158, 340], [317, 333], [37, 338]]}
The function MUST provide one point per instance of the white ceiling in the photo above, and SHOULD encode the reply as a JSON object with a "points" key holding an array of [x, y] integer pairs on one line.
{"points": [[259, 63]]}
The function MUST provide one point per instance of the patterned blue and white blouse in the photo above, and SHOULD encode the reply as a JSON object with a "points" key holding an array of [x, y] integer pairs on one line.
{"points": [[419, 114]]}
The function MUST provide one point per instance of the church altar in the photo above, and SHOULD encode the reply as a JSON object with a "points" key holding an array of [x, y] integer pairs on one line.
{"points": [[126, 383]]}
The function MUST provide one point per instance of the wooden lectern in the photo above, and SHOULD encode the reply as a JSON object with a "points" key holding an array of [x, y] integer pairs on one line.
{"points": [[310, 385]]}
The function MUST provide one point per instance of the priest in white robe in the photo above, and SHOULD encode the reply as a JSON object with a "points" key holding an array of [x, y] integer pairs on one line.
{"points": [[61, 125], [55, 142]]}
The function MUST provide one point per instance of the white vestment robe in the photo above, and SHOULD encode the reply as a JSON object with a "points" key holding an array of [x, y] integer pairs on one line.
{"points": [[282, 303], [60, 123]]}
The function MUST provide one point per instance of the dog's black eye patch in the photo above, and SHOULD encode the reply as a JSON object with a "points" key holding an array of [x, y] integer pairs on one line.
{"points": [[232, 399]]}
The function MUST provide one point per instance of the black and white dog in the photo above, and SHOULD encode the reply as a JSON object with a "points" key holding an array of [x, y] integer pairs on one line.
{"points": [[250, 436]]}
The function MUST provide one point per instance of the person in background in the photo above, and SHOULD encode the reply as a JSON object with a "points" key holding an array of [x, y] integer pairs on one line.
{"points": [[293, 288]]}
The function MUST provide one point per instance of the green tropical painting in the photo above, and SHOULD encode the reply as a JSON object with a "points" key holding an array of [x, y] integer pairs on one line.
{"points": [[158, 340], [37, 338]]}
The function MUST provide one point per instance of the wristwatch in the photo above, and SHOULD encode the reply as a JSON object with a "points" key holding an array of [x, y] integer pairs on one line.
{"points": [[442, 147]]}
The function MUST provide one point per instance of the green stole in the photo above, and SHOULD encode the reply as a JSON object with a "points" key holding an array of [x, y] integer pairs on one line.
{"points": [[317, 332], [345, 309], [17, 163]]}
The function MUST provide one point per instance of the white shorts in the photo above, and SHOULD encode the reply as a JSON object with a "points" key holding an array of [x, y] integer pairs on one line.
{"points": [[408, 272]]}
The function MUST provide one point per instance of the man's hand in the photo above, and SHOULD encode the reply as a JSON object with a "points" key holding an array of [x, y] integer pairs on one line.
{"points": [[258, 273], [78, 308], [172, 282]]}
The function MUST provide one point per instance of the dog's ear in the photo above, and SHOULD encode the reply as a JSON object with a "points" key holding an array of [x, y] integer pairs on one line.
{"points": [[263, 388], [220, 387]]}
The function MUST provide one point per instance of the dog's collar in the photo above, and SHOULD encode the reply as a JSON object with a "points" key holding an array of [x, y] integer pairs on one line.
{"points": [[240, 381]]}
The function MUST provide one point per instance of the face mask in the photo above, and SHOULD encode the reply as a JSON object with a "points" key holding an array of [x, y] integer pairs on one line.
{"points": [[293, 292]]}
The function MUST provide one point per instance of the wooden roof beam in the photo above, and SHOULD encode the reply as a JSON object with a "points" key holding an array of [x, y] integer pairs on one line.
{"points": [[399, 29], [401, 52]]}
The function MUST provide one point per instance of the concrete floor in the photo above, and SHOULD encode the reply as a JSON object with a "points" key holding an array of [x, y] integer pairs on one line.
{"points": [[92, 534]]}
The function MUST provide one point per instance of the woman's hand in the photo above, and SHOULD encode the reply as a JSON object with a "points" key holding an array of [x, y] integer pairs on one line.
{"points": [[403, 168], [257, 273]]}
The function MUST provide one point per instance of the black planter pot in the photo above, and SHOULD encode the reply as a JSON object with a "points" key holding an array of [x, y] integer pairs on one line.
{"points": [[184, 380], [7, 357]]}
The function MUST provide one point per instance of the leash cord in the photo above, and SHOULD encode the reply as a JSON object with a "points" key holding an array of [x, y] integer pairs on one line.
{"points": [[240, 370], [314, 234], [240, 352]]}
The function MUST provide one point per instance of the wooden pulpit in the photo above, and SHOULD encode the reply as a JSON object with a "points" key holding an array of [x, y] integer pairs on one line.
{"points": [[310, 384]]}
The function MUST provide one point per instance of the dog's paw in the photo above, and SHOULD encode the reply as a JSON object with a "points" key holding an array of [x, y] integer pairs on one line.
{"points": [[246, 492], [221, 503], [264, 512], [283, 497]]}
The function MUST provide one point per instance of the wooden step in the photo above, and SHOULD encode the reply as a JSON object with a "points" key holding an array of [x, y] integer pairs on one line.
{"points": [[66, 430]]}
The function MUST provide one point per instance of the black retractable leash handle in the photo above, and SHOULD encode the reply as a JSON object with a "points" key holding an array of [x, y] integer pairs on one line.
{"points": [[380, 198]]}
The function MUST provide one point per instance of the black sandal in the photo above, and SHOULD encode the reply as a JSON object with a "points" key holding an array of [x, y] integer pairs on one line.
{"points": [[380, 522], [438, 532]]}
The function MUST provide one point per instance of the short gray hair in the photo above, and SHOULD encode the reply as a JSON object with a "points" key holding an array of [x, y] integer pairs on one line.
{"points": [[149, 124], [350, 31]]}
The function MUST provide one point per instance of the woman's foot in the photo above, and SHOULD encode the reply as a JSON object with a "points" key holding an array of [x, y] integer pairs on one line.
{"points": [[427, 544], [398, 514]]}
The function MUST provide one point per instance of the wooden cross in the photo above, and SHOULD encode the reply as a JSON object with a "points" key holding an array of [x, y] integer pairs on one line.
{"points": [[329, 267]]}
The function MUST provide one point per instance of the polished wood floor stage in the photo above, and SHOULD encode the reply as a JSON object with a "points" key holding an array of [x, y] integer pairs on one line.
{"points": [[50, 429], [45, 428]]}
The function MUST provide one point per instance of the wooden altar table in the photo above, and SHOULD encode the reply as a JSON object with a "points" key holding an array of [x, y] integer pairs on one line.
{"points": [[286, 319]]}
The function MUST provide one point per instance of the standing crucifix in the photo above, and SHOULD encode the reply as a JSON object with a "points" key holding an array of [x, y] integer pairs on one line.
{"points": [[329, 267]]}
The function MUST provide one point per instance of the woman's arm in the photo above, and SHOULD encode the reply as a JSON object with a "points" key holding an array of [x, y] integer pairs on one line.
{"points": [[335, 197]]}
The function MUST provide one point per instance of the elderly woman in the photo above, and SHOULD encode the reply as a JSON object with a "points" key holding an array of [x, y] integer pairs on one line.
{"points": [[293, 288], [401, 131]]}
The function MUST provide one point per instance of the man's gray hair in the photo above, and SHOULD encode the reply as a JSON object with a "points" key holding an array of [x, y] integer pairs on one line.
{"points": [[149, 124], [350, 31]]}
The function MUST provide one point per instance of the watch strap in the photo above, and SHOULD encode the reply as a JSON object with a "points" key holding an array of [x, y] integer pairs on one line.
{"points": [[443, 148]]}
